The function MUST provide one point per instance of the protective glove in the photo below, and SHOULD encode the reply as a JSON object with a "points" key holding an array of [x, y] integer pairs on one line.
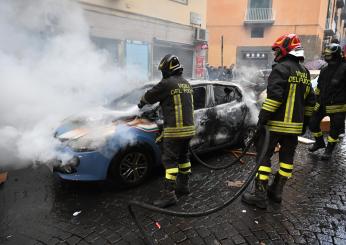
{"points": [[141, 104]]}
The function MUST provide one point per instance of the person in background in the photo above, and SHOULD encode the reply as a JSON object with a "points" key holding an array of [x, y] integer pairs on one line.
{"points": [[175, 95], [335, 40], [285, 111], [231, 67], [224, 74], [228, 76], [207, 71], [212, 73], [331, 100]]}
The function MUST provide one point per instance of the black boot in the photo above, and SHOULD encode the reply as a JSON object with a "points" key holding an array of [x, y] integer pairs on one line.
{"points": [[183, 187], [276, 188], [168, 197], [257, 197], [319, 143], [328, 151]]}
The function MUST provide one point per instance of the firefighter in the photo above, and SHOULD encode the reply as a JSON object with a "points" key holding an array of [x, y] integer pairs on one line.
{"points": [[286, 110], [331, 100], [175, 95]]}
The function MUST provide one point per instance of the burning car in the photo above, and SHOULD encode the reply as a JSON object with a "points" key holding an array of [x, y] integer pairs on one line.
{"points": [[122, 144]]}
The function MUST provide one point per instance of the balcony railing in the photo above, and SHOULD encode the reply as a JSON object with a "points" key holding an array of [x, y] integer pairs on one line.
{"points": [[259, 16]]}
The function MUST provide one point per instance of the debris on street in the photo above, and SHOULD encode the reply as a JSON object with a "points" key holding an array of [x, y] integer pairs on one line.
{"points": [[76, 213], [237, 183], [305, 140], [157, 224]]}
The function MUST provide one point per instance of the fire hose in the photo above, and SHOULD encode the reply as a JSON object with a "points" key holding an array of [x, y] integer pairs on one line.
{"points": [[259, 136]]}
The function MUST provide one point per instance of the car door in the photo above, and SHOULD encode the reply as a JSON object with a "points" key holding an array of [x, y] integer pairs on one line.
{"points": [[229, 113], [200, 101]]}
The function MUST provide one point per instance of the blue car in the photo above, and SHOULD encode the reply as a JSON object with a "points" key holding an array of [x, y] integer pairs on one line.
{"points": [[122, 144]]}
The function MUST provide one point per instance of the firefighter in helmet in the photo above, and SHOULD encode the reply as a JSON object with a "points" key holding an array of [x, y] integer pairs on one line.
{"points": [[331, 100], [175, 95], [285, 111]]}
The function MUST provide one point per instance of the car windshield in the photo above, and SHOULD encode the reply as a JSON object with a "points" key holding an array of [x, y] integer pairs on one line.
{"points": [[128, 99]]}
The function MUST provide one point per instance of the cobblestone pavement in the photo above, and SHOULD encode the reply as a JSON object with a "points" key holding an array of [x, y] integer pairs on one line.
{"points": [[35, 208]]}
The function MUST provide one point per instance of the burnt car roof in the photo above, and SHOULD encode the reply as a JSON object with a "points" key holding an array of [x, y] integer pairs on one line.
{"points": [[202, 82], [235, 83]]}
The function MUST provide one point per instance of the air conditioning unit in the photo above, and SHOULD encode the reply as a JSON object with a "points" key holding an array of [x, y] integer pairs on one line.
{"points": [[201, 34]]}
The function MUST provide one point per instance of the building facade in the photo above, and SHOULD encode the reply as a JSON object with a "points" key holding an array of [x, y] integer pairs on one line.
{"points": [[139, 33], [242, 31]]}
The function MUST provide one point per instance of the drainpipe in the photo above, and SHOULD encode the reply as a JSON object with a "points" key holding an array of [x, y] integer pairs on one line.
{"points": [[222, 50]]}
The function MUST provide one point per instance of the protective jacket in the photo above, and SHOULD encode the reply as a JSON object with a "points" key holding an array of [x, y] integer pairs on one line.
{"points": [[331, 88], [175, 95], [290, 96]]}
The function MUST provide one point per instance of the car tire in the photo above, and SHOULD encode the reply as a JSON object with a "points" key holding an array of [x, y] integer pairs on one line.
{"points": [[131, 166], [222, 130]]}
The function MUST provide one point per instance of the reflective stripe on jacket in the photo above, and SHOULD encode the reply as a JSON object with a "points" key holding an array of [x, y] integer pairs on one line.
{"points": [[331, 88], [290, 96], [175, 95]]}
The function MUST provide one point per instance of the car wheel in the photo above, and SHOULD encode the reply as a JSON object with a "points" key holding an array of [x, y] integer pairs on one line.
{"points": [[222, 135], [131, 166]]}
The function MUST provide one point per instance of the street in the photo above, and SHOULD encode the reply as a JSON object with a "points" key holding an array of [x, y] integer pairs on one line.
{"points": [[36, 208], [100, 94]]}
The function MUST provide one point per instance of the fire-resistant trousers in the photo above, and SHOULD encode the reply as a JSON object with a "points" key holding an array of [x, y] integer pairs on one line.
{"points": [[175, 157], [337, 122], [288, 144]]}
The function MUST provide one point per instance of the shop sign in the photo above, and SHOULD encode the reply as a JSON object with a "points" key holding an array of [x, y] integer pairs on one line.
{"points": [[255, 55], [199, 66], [199, 61]]}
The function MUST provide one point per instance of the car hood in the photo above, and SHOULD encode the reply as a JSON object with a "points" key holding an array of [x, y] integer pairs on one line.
{"points": [[96, 121], [102, 122]]}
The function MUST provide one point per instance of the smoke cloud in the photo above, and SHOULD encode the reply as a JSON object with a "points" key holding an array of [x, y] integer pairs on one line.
{"points": [[253, 82], [49, 70]]}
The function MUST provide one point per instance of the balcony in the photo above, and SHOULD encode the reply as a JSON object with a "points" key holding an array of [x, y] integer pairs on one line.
{"points": [[259, 16]]}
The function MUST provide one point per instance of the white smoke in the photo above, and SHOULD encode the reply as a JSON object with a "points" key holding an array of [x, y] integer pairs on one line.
{"points": [[252, 81], [49, 70]]}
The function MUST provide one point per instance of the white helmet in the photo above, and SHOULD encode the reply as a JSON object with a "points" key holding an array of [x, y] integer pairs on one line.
{"points": [[298, 52]]}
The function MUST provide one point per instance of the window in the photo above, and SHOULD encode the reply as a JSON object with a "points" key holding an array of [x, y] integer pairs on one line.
{"points": [[260, 3], [199, 97], [181, 1], [226, 94], [109, 45], [257, 32]]}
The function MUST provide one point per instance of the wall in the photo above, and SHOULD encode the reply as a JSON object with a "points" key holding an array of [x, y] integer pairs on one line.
{"points": [[105, 23], [162, 9], [143, 24], [226, 17]]}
